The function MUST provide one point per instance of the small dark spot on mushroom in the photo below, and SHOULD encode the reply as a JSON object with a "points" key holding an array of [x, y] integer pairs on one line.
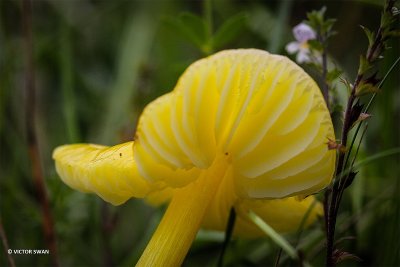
{"points": [[120, 154], [226, 153]]}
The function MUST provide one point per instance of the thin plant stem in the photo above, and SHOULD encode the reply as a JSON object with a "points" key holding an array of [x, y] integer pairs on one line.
{"points": [[6, 248], [349, 221], [342, 185], [33, 146], [335, 196], [108, 221], [228, 235], [208, 17], [368, 106], [278, 31], [278, 258], [304, 220], [325, 93], [67, 83], [381, 83], [325, 86]]}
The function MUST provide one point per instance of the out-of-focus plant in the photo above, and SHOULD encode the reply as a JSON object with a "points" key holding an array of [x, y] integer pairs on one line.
{"points": [[367, 83], [200, 30], [313, 36]]}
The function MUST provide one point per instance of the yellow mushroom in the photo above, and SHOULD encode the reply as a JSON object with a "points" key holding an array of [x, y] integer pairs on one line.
{"points": [[241, 128]]}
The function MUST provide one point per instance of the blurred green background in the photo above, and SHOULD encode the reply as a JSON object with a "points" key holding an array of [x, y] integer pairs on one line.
{"points": [[98, 63]]}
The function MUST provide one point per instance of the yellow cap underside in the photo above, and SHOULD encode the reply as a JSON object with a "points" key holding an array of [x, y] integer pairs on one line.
{"points": [[261, 110]]}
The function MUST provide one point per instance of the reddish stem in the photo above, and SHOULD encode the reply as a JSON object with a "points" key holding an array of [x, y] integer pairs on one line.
{"points": [[33, 147]]}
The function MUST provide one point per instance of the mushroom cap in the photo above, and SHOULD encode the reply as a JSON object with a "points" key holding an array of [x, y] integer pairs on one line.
{"points": [[109, 172], [261, 110]]}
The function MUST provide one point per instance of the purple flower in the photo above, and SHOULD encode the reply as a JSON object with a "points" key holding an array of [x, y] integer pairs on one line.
{"points": [[302, 33]]}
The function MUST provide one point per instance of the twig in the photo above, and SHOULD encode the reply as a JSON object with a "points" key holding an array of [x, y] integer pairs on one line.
{"points": [[325, 92], [3, 237], [37, 173]]}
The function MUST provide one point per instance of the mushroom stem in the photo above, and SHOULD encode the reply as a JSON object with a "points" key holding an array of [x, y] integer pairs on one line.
{"points": [[180, 223]]}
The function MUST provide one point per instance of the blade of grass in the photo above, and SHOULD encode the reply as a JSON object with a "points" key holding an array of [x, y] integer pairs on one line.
{"points": [[345, 225], [279, 30], [381, 83], [357, 192], [275, 236], [367, 108], [343, 183], [303, 221], [67, 83], [135, 50], [359, 145], [277, 239], [385, 153]]}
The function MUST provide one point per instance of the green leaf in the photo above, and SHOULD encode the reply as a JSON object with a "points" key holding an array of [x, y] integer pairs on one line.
{"points": [[364, 65], [333, 74], [328, 25], [365, 88], [349, 179], [190, 26], [194, 23], [315, 45], [347, 84], [229, 30], [394, 33], [370, 35], [387, 18], [316, 18]]}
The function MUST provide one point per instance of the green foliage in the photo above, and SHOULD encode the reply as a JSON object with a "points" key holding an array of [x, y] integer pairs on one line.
{"points": [[276, 237], [364, 65], [370, 35], [194, 29], [317, 21], [366, 88], [229, 30], [98, 63], [333, 74]]}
